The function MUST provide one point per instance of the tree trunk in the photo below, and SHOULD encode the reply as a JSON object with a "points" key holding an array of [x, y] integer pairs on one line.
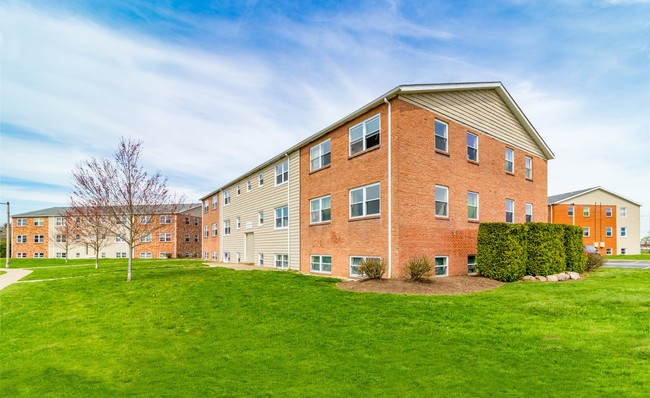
{"points": [[97, 259], [130, 268]]}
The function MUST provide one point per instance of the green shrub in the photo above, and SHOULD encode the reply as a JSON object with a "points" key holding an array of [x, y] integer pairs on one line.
{"points": [[545, 249], [372, 268], [576, 260], [594, 260], [420, 268], [501, 252]]}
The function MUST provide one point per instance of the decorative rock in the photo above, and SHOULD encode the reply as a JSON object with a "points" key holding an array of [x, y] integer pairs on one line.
{"points": [[541, 278], [562, 277], [529, 278], [573, 275], [552, 278]]}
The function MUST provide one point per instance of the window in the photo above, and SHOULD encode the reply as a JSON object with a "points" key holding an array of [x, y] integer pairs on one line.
{"points": [[165, 237], [472, 205], [196, 222], [145, 237], [118, 239], [21, 222], [248, 185], [441, 266], [586, 211], [238, 189], [282, 217], [166, 219], [529, 167], [60, 221], [355, 262], [59, 238], [21, 255], [187, 237], [238, 257], [442, 201], [471, 264], [60, 255], [39, 222], [570, 211], [122, 219], [196, 238], [103, 254], [441, 136], [608, 232], [187, 221], [205, 255], [282, 261], [364, 201], [320, 156], [510, 211], [39, 255], [608, 212], [585, 231], [21, 238], [215, 229], [145, 219], [260, 259], [472, 147], [39, 238], [321, 263], [260, 218], [260, 179], [282, 172], [215, 201], [238, 223], [226, 197], [623, 250], [320, 209], [529, 212], [206, 232], [623, 232], [364, 135], [623, 212], [164, 255], [206, 206], [608, 251], [120, 255], [145, 254], [214, 256], [226, 227], [510, 160], [226, 257]]}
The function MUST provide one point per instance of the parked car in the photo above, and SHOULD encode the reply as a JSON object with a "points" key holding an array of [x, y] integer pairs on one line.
{"points": [[590, 249]]}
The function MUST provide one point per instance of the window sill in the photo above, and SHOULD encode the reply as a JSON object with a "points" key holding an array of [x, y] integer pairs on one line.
{"points": [[529, 179], [442, 218], [445, 153], [474, 162], [374, 148], [510, 173], [321, 272], [473, 221], [365, 218], [319, 224], [319, 169], [280, 229]]}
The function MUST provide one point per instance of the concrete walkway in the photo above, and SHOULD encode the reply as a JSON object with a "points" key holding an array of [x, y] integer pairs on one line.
{"points": [[12, 276], [241, 267]]}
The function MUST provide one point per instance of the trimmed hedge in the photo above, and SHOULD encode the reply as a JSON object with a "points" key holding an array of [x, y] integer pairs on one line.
{"points": [[576, 260], [501, 254], [545, 249]]}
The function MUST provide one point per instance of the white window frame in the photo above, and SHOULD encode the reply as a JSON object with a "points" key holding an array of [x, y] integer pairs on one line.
{"points": [[608, 212], [165, 219], [118, 239], [226, 257], [165, 237], [187, 238], [445, 137], [364, 135], [206, 206], [39, 238], [21, 255], [316, 263], [59, 238], [529, 206], [215, 201], [320, 210], [609, 232], [21, 238], [282, 172], [206, 231], [586, 232], [145, 237], [260, 259], [623, 232], [510, 160], [260, 218], [145, 255], [471, 147], [623, 250], [21, 222], [469, 194], [364, 201], [226, 198], [623, 212], [586, 211], [238, 257], [60, 255], [317, 156], [445, 265], [281, 260], [60, 221], [260, 179], [529, 167], [570, 211], [352, 270], [282, 217], [39, 222], [226, 227], [164, 255], [471, 264], [238, 189], [608, 251], [441, 189], [144, 220], [215, 256], [510, 202], [238, 222], [215, 229], [39, 255]]}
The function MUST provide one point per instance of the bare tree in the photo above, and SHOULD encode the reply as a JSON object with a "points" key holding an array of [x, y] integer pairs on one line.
{"points": [[124, 190], [64, 234], [92, 224]]}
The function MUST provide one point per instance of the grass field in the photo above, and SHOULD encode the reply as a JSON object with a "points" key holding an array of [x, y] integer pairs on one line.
{"points": [[642, 256], [181, 329]]}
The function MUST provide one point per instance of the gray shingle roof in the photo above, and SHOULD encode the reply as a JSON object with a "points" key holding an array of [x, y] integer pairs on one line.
{"points": [[563, 196], [57, 211]]}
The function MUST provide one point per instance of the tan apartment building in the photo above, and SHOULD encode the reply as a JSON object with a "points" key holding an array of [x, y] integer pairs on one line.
{"points": [[609, 221], [36, 234], [413, 172]]}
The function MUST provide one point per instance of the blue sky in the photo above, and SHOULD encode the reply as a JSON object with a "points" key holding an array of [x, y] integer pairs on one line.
{"points": [[215, 88]]}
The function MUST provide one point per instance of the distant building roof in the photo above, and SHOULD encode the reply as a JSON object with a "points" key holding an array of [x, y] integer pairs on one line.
{"points": [[57, 211], [563, 197]]}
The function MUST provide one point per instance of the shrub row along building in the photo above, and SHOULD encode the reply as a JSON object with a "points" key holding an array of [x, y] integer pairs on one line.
{"points": [[411, 173], [37, 234]]}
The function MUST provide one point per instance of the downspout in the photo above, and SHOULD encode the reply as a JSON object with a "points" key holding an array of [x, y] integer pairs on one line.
{"points": [[288, 212], [390, 194], [220, 236]]}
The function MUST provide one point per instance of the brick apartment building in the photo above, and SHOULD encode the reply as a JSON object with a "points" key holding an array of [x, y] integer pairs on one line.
{"points": [[412, 172], [35, 235], [610, 222]]}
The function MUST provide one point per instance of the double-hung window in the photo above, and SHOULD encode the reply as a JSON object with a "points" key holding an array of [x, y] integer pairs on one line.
{"points": [[166, 219], [623, 212], [472, 205], [248, 185], [226, 227], [282, 172], [529, 167], [586, 211], [60, 238], [39, 238], [365, 201], [238, 189], [206, 232], [472, 147], [215, 229], [206, 206], [145, 237], [60, 221], [21, 238], [570, 211], [226, 197], [320, 155], [282, 261], [321, 263], [510, 211], [165, 237], [442, 201], [623, 232], [441, 266], [260, 179], [145, 219], [585, 231], [529, 212], [21, 222], [260, 218], [39, 222], [510, 160], [282, 217], [364, 135], [608, 232], [441, 136], [608, 212], [214, 202], [238, 223], [320, 209]]}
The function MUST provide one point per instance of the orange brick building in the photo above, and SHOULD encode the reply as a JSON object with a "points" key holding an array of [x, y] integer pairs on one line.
{"points": [[413, 172]]}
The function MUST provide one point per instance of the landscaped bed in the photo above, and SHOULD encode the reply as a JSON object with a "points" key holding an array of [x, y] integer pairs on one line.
{"points": [[446, 285]]}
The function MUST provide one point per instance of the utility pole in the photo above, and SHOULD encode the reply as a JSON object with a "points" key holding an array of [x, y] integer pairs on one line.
{"points": [[8, 236]]}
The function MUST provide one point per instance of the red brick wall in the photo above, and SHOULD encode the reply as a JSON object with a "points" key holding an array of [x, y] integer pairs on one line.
{"points": [[211, 243], [30, 230], [191, 229], [597, 221]]}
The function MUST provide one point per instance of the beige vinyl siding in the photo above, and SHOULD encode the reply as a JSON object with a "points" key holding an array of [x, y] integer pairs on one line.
{"points": [[482, 110], [267, 240]]}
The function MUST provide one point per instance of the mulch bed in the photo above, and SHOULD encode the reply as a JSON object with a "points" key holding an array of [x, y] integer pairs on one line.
{"points": [[448, 285]]}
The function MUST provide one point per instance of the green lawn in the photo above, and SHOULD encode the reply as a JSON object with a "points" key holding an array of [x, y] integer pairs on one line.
{"points": [[181, 329], [642, 256]]}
